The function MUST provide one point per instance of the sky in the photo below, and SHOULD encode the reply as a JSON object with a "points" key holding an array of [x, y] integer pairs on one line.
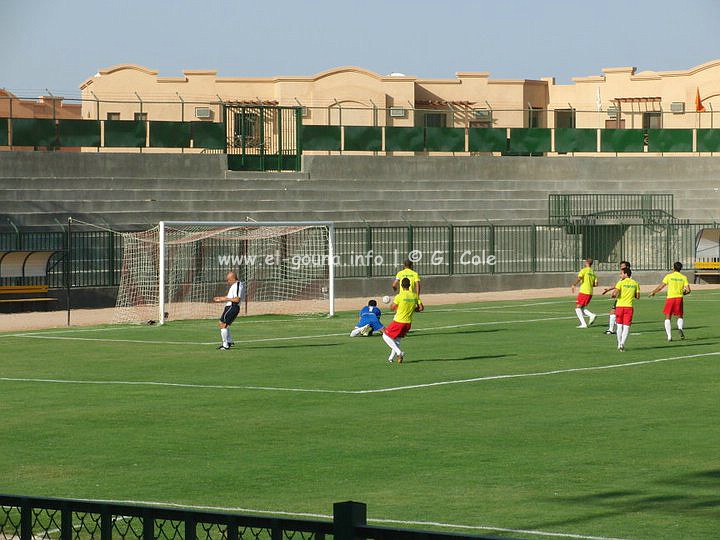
{"points": [[57, 44]]}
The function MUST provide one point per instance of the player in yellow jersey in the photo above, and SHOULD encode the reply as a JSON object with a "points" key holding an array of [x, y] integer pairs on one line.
{"points": [[678, 287], [627, 290], [412, 275], [611, 320], [405, 304], [587, 279]]}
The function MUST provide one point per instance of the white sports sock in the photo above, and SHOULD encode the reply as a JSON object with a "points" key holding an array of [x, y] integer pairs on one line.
{"points": [[392, 344], [229, 335], [588, 313], [626, 331], [224, 336], [668, 328], [680, 323], [620, 333], [612, 322], [355, 331], [578, 312]]}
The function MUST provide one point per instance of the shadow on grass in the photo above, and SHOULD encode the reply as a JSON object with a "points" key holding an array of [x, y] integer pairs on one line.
{"points": [[675, 344], [460, 359], [694, 502]]}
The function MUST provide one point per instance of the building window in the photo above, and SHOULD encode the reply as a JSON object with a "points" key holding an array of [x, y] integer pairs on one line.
{"points": [[113, 116], [481, 118], [141, 117], [435, 120], [535, 118], [652, 120], [564, 118]]}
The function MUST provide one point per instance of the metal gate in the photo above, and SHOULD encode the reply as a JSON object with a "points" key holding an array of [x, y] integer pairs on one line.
{"points": [[263, 138]]}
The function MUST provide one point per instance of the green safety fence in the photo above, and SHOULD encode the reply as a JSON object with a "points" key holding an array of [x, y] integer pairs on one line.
{"points": [[125, 133], [34, 132], [366, 251], [400, 139], [487, 140], [530, 140], [321, 138], [170, 134], [444, 139], [362, 138], [265, 162], [4, 134], [208, 135], [670, 140], [708, 140], [575, 140], [79, 132], [622, 140]]}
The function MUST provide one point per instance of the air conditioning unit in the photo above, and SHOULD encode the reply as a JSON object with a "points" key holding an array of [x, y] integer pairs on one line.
{"points": [[203, 112], [612, 111], [397, 112], [305, 111], [482, 114], [677, 107]]}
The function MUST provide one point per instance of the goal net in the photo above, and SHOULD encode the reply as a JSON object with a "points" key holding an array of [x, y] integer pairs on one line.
{"points": [[174, 270]]}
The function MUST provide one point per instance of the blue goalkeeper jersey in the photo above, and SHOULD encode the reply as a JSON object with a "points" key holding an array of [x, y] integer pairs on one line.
{"points": [[369, 315]]}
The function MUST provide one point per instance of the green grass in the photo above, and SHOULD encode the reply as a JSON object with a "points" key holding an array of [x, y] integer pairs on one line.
{"points": [[627, 452]]}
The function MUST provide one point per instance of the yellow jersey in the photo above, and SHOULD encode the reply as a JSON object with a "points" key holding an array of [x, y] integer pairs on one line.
{"points": [[412, 275], [406, 301], [628, 287], [675, 282], [588, 277]]}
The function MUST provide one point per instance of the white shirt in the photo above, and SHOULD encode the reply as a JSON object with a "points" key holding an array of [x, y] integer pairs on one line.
{"points": [[235, 291]]}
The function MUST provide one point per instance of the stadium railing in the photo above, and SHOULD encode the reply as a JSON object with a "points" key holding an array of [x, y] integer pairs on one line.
{"points": [[377, 251], [32, 518]]}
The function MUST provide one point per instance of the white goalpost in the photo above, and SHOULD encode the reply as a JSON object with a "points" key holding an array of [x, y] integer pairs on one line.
{"points": [[173, 271]]}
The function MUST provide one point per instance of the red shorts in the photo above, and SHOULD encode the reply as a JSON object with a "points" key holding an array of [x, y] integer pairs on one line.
{"points": [[623, 315], [674, 306], [583, 299], [397, 329]]}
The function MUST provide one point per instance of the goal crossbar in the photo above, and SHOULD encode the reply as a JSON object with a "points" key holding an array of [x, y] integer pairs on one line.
{"points": [[162, 245]]}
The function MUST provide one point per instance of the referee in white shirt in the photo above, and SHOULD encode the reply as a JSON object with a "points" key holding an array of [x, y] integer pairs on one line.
{"points": [[232, 308]]}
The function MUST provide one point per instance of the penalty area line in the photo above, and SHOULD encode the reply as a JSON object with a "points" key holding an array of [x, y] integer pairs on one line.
{"points": [[362, 392], [313, 515]]}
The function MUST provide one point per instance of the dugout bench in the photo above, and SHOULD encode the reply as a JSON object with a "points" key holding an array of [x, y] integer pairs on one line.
{"points": [[706, 268], [19, 267]]}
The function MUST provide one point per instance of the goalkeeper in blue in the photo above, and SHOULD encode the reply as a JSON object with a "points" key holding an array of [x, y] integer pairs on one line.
{"points": [[369, 321]]}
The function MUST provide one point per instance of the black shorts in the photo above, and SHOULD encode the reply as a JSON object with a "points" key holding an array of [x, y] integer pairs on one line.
{"points": [[229, 314]]}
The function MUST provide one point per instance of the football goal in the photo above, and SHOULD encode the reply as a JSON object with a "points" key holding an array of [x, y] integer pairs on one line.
{"points": [[174, 270]]}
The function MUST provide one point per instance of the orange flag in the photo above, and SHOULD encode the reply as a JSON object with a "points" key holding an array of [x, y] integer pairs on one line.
{"points": [[699, 107]]}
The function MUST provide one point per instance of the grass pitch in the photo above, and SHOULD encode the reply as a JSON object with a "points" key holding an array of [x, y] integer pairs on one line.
{"points": [[504, 417]]}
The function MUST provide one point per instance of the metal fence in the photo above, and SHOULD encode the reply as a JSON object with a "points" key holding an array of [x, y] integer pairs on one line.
{"points": [[377, 251], [33, 518]]}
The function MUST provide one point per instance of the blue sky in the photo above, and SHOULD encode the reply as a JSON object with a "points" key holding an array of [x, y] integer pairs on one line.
{"points": [[56, 44]]}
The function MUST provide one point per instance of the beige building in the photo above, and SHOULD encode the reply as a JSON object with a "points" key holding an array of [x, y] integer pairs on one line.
{"points": [[619, 97]]}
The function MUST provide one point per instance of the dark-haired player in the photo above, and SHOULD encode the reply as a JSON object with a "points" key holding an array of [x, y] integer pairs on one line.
{"points": [[678, 287]]}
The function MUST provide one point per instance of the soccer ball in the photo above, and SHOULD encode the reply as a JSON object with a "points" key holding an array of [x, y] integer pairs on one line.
{"points": [[386, 299]]}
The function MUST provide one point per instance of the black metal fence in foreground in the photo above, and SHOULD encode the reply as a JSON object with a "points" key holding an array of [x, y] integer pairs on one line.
{"points": [[34, 518]]}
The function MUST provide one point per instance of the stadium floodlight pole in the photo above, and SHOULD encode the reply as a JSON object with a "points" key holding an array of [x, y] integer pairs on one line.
{"points": [[161, 273]]}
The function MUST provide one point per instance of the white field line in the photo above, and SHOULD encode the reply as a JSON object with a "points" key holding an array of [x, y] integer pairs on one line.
{"points": [[285, 338], [370, 520], [369, 391]]}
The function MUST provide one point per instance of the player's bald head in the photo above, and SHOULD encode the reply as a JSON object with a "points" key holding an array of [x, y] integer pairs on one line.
{"points": [[231, 276]]}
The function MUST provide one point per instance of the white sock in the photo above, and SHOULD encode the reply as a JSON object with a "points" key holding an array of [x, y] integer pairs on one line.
{"points": [[355, 331], [625, 332], [392, 344], [588, 313], [612, 322], [229, 335], [579, 313], [680, 323], [668, 328], [224, 335], [620, 333]]}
